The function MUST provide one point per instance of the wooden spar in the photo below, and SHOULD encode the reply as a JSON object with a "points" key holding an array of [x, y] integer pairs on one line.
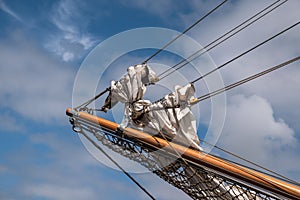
{"points": [[261, 180]]}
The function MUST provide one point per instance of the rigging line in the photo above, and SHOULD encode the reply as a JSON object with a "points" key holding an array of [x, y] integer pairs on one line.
{"points": [[113, 161], [251, 162], [203, 50], [189, 28], [254, 169], [244, 53], [169, 43], [246, 170], [93, 99], [243, 81]]}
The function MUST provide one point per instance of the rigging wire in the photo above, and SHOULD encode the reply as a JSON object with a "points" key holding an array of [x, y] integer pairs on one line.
{"points": [[246, 52], [117, 164], [204, 50], [257, 170], [189, 28], [161, 49], [251, 162], [242, 54], [243, 81], [85, 104]]}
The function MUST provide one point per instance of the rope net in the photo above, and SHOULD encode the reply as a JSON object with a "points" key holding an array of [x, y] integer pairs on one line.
{"points": [[195, 180]]}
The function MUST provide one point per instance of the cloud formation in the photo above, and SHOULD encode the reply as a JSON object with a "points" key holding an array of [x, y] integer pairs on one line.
{"points": [[34, 85], [10, 124], [251, 130], [6, 9], [72, 41]]}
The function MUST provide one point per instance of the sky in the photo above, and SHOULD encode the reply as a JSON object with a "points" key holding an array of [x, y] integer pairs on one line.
{"points": [[44, 43]]}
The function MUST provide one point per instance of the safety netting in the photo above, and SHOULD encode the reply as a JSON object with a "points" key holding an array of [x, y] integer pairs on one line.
{"points": [[199, 182]]}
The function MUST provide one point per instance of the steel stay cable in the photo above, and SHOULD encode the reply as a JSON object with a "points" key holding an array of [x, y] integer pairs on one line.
{"points": [[254, 169], [240, 167], [231, 86], [178, 36], [246, 52], [251, 162], [107, 89], [113, 161], [93, 99], [242, 54], [204, 50], [169, 43]]}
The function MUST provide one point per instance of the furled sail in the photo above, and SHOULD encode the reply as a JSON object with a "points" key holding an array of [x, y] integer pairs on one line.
{"points": [[172, 116]]}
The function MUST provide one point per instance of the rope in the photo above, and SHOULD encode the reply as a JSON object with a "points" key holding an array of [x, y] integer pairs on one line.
{"points": [[248, 51], [82, 106], [243, 81], [165, 46], [204, 50], [85, 104], [113, 161], [178, 36], [251, 162]]}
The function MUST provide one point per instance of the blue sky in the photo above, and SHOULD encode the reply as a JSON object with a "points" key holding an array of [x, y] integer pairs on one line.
{"points": [[42, 45]]}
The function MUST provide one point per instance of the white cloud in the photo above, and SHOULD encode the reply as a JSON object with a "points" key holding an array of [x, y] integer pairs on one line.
{"points": [[10, 123], [162, 9], [74, 174], [161, 189], [67, 56], [6, 9], [2, 169], [34, 85], [60, 192], [251, 130], [72, 41], [278, 87], [171, 11]]}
